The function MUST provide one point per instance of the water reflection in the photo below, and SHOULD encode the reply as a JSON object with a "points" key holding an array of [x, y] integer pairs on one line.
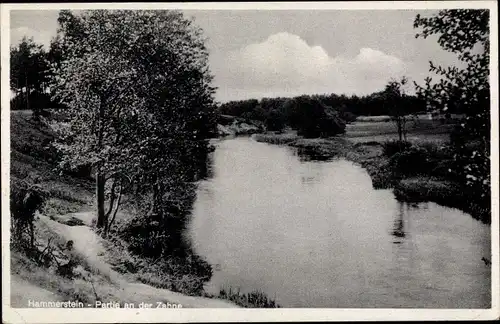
{"points": [[307, 154], [399, 230], [316, 234]]}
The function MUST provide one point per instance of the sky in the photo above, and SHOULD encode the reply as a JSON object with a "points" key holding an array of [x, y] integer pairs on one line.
{"points": [[269, 53]]}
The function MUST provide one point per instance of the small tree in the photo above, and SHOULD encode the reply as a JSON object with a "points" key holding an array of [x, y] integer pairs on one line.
{"points": [[394, 99], [25, 200]]}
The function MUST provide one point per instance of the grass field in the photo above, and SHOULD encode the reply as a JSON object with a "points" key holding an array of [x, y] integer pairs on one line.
{"points": [[420, 129]]}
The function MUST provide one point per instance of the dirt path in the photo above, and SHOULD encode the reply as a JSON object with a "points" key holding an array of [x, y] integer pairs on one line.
{"points": [[88, 245]]}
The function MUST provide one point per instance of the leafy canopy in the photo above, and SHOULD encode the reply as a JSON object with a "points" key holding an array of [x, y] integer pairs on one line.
{"points": [[466, 33]]}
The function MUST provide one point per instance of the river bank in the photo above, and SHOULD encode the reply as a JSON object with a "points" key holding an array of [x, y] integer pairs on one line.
{"points": [[428, 186], [69, 209], [314, 233]]}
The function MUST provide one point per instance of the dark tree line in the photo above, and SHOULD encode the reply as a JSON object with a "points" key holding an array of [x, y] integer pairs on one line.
{"points": [[30, 73], [322, 115]]}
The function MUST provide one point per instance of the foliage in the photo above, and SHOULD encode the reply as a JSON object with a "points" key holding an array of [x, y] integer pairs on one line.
{"points": [[279, 139], [39, 101], [392, 147], [275, 121], [443, 192], [186, 274], [154, 234], [393, 96], [238, 108], [412, 161], [25, 200], [137, 86], [464, 32], [408, 159], [312, 118], [254, 299], [348, 116], [28, 72], [27, 66]]}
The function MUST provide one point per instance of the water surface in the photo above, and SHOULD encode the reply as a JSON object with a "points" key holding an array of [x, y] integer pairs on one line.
{"points": [[316, 234]]}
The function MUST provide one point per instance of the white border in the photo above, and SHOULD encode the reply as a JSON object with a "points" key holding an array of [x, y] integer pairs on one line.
{"points": [[15, 315]]}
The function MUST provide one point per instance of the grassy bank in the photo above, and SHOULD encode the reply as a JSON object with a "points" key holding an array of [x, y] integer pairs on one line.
{"points": [[254, 299], [69, 203], [418, 175]]}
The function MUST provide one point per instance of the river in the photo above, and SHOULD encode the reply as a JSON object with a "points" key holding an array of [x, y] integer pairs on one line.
{"points": [[316, 234]]}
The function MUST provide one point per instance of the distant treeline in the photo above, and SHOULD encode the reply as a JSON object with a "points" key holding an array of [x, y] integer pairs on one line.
{"points": [[31, 70], [317, 115]]}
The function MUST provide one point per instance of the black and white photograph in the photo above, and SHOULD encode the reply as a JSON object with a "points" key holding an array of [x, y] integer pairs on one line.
{"points": [[299, 161]]}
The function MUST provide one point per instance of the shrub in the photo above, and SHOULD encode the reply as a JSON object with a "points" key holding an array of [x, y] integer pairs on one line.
{"points": [[186, 274], [412, 161], [427, 189], [254, 299], [152, 236], [446, 193], [25, 200], [444, 169], [348, 116], [392, 147], [436, 150], [275, 138]]}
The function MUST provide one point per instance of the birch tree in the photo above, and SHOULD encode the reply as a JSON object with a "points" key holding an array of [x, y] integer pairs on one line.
{"points": [[137, 86]]}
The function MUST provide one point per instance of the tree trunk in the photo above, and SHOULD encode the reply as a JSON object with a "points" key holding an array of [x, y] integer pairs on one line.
{"points": [[100, 177], [400, 129], [100, 183], [27, 93], [32, 234]]}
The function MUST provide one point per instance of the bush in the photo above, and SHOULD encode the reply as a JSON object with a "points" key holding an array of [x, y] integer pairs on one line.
{"points": [[412, 161], [392, 147], [348, 116], [275, 138], [254, 299], [186, 274], [25, 200], [150, 238], [446, 193], [427, 189], [438, 151], [444, 169]]}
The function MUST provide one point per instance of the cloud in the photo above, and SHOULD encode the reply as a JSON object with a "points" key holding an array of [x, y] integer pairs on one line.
{"points": [[39, 36], [285, 65]]}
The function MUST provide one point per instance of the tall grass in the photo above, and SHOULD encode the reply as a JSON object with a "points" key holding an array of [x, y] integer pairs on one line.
{"points": [[254, 299], [279, 139]]}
